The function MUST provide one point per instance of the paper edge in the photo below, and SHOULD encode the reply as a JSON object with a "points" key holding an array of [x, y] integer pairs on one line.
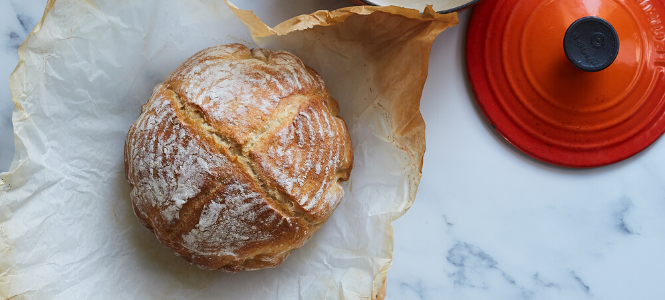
{"points": [[258, 30], [13, 83], [6, 257], [412, 130]]}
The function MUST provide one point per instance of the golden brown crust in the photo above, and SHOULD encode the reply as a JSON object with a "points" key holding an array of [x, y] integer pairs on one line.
{"points": [[237, 158], [304, 157]]}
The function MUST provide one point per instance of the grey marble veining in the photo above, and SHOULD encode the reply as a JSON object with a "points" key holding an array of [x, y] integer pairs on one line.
{"points": [[488, 222], [17, 18], [492, 223]]}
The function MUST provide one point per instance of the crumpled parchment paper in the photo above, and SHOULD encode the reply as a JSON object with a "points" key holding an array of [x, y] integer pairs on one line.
{"points": [[67, 227]]}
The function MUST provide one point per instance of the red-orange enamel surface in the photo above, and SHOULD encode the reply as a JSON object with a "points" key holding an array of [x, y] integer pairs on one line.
{"points": [[539, 102]]}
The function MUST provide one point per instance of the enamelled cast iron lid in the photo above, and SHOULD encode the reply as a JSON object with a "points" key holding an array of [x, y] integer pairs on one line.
{"points": [[575, 83]]}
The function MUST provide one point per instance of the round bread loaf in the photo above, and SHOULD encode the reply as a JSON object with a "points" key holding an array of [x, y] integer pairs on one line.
{"points": [[237, 158]]}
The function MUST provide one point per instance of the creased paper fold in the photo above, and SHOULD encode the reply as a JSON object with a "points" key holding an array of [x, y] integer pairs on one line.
{"points": [[67, 228]]}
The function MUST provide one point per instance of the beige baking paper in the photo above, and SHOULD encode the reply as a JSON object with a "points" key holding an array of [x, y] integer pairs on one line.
{"points": [[67, 227]]}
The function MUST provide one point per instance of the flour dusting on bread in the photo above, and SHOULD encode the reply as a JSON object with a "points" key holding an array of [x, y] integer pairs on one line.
{"points": [[237, 158], [170, 166]]}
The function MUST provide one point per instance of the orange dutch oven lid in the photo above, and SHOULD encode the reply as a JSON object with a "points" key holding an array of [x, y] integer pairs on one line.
{"points": [[575, 83]]}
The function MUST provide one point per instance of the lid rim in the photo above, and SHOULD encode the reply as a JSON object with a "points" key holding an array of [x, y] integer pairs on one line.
{"points": [[648, 125], [443, 12]]}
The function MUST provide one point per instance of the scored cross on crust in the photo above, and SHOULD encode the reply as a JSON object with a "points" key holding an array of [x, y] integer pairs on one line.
{"points": [[237, 158]]}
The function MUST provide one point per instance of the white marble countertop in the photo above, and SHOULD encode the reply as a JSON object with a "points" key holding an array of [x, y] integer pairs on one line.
{"points": [[17, 18], [488, 221]]}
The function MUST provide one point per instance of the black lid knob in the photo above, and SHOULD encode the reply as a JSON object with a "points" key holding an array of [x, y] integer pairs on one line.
{"points": [[591, 44]]}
